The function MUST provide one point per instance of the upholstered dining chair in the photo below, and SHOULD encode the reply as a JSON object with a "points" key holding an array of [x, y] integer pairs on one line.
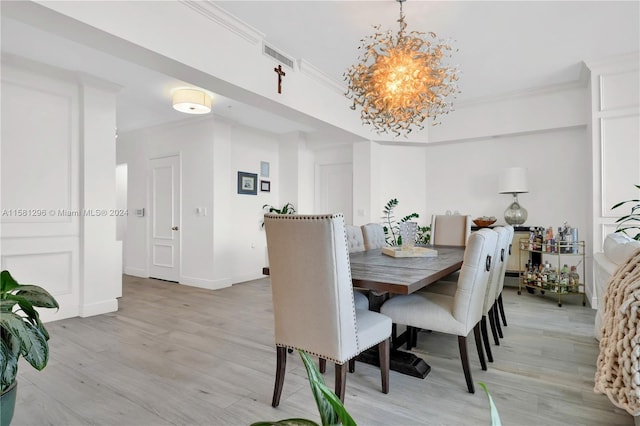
{"points": [[449, 288], [458, 314], [499, 306], [450, 230], [373, 234], [355, 242], [489, 307], [313, 303]]}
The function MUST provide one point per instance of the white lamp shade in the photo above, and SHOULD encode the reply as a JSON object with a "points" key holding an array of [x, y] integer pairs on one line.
{"points": [[513, 181], [192, 101]]}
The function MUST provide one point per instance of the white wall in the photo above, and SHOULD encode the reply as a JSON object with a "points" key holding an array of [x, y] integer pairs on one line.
{"points": [[58, 169], [228, 244]]}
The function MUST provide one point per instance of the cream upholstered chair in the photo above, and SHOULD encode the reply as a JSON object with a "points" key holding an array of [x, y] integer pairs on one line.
{"points": [[497, 270], [355, 239], [313, 302], [449, 288], [458, 314], [499, 305], [373, 234], [355, 242], [450, 230]]}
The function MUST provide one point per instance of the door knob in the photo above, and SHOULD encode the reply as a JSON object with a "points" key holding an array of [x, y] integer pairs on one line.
{"points": [[174, 228]]}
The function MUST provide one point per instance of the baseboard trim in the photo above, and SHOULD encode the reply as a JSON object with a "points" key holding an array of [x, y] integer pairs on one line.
{"points": [[136, 272], [98, 308], [204, 283]]}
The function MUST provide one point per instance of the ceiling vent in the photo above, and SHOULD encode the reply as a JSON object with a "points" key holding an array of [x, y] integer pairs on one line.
{"points": [[283, 59]]}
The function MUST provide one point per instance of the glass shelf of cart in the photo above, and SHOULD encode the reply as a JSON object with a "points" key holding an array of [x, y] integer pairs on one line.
{"points": [[562, 248]]}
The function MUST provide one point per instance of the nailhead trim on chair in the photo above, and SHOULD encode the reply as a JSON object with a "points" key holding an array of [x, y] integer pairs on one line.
{"points": [[346, 247]]}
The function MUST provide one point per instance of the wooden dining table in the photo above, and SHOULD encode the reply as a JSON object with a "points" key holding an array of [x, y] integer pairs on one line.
{"points": [[373, 270], [385, 276]]}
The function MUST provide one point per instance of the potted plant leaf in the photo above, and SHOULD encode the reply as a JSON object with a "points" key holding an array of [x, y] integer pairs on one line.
{"points": [[392, 228], [630, 221], [330, 408], [21, 334], [288, 208]]}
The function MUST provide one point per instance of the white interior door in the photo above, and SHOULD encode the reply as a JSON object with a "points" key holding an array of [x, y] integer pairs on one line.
{"points": [[164, 214], [334, 190]]}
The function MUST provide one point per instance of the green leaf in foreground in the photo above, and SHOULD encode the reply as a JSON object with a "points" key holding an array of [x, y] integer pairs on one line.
{"points": [[495, 417]]}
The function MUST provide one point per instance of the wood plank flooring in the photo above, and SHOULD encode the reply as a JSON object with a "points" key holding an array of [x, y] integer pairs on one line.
{"points": [[179, 355]]}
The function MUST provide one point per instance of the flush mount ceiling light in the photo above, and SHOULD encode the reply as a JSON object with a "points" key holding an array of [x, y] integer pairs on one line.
{"points": [[399, 80], [192, 101]]}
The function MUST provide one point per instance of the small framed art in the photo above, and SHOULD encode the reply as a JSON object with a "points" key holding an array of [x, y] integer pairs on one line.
{"points": [[265, 186], [264, 169], [247, 183]]}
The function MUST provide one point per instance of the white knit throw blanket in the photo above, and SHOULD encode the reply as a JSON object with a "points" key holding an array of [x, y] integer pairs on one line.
{"points": [[618, 367]]}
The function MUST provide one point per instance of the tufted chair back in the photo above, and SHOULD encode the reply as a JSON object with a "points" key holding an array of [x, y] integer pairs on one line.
{"points": [[450, 230], [373, 234], [355, 239]]}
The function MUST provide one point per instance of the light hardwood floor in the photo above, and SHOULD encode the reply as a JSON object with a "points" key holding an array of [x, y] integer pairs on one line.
{"points": [[178, 355]]}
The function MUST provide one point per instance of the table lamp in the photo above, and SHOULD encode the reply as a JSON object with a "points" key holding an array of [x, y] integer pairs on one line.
{"points": [[514, 181]]}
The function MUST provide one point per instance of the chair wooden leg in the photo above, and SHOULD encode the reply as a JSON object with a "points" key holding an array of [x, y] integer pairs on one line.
{"points": [[462, 344], [352, 365], [485, 338], [497, 319], [322, 365], [492, 322], [341, 380], [501, 306], [478, 338], [281, 365], [384, 348]]}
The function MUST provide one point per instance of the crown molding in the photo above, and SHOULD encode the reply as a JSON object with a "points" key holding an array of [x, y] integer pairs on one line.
{"points": [[220, 16], [580, 83], [313, 72]]}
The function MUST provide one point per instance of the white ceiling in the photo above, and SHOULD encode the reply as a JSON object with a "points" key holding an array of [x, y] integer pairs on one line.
{"points": [[504, 47]]}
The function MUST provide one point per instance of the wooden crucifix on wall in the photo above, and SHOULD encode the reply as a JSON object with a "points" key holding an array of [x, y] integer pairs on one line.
{"points": [[281, 74]]}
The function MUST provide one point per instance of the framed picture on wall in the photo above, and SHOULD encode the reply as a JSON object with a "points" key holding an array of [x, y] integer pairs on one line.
{"points": [[265, 186], [264, 169], [247, 183]]}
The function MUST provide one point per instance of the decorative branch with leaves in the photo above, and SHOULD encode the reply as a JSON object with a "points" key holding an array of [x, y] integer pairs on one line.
{"points": [[392, 228], [632, 220], [288, 208]]}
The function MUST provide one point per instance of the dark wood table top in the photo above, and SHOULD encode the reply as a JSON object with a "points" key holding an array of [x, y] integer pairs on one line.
{"points": [[402, 275]]}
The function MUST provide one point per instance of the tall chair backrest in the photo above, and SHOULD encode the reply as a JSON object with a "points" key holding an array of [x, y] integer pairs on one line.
{"points": [[373, 234], [450, 230], [497, 267], [355, 239], [474, 277], [311, 284], [507, 252]]}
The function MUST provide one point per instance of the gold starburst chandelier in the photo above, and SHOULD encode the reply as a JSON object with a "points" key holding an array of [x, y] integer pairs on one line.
{"points": [[399, 80]]}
